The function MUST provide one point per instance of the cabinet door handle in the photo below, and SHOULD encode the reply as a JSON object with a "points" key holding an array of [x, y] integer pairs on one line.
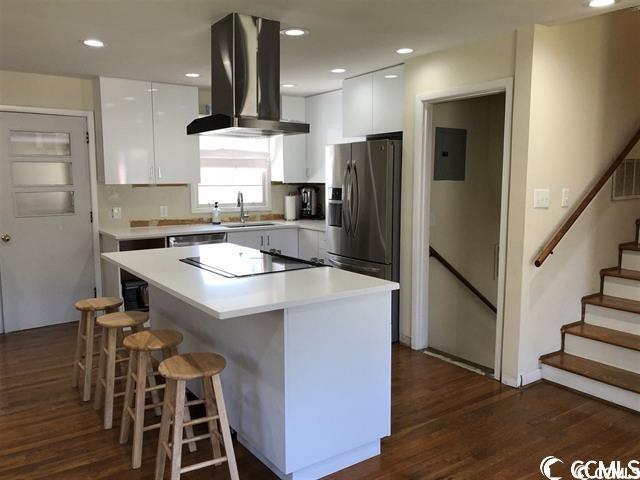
{"points": [[262, 240], [159, 172], [151, 176], [268, 240]]}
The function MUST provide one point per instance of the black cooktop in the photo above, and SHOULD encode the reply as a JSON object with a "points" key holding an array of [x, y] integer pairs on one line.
{"points": [[236, 261]]}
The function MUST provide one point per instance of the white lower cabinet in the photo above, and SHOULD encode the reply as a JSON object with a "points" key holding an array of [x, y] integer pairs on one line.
{"points": [[312, 245], [284, 241]]}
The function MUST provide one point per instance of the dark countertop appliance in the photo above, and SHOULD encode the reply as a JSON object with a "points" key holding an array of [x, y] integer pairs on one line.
{"points": [[309, 202]]}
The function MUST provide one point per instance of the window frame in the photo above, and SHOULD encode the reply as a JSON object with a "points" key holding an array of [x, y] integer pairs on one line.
{"points": [[196, 207]]}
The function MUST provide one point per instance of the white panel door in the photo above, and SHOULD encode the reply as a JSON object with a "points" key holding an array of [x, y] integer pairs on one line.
{"points": [[46, 251], [126, 131], [251, 239], [284, 240], [388, 100], [177, 155], [291, 167], [307, 244], [357, 104]]}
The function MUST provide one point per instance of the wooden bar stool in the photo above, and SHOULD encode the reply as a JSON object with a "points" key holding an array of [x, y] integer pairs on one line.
{"points": [[113, 325], [177, 370], [140, 346], [88, 308]]}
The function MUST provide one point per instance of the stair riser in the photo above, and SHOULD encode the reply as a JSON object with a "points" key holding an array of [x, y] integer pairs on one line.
{"points": [[622, 287], [592, 387], [602, 352], [614, 319], [631, 260]]}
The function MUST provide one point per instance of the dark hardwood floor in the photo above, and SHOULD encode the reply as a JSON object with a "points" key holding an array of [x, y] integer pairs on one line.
{"points": [[448, 423]]}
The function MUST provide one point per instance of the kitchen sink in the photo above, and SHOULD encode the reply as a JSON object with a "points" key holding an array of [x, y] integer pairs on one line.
{"points": [[242, 225]]}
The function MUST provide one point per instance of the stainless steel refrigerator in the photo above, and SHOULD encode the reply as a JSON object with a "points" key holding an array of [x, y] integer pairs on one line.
{"points": [[363, 210]]}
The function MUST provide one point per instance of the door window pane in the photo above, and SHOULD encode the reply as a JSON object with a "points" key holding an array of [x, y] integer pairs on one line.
{"points": [[51, 144], [39, 204], [41, 173]]}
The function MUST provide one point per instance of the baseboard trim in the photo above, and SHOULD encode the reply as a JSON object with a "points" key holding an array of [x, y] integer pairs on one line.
{"points": [[531, 377], [405, 340]]}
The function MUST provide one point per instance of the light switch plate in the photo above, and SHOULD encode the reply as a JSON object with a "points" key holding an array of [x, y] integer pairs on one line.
{"points": [[541, 198], [164, 211], [116, 213], [565, 198]]}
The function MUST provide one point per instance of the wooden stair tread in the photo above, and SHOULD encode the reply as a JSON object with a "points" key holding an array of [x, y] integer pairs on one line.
{"points": [[594, 370], [620, 273], [634, 246], [605, 335], [616, 303]]}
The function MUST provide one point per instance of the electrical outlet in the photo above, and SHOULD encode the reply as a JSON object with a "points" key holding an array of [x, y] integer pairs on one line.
{"points": [[565, 198], [164, 211], [116, 213], [541, 198]]}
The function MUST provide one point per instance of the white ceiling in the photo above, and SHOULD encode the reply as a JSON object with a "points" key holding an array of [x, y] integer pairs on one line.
{"points": [[161, 40]]}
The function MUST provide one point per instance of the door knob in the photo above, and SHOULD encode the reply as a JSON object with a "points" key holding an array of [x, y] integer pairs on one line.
{"points": [[5, 238]]}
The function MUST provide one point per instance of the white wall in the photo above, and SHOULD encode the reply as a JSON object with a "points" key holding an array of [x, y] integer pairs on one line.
{"points": [[465, 229], [585, 105]]}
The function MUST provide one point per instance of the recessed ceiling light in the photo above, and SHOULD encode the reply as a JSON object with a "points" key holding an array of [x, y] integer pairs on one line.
{"points": [[601, 3], [93, 42], [288, 85], [293, 32], [338, 70], [391, 75], [404, 51], [192, 75]]}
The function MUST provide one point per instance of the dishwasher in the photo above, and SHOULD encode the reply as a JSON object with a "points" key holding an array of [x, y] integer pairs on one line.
{"points": [[199, 239]]}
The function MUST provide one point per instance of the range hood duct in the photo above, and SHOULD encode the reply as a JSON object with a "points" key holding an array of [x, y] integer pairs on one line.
{"points": [[245, 80]]}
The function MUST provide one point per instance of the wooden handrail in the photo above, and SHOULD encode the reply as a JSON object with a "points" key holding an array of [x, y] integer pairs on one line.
{"points": [[433, 253], [586, 201]]}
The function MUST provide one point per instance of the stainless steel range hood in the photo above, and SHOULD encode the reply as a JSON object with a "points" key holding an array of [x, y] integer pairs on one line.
{"points": [[245, 80]]}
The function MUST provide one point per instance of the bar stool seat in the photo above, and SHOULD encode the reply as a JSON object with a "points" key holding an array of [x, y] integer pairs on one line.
{"points": [[113, 325], [88, 308], [122, 319], [177, 370], [98, 304], [140, 373], [152, 340]]}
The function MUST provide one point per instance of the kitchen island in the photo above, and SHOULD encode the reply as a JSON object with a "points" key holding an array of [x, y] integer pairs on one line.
{"points": [[308, 378]]}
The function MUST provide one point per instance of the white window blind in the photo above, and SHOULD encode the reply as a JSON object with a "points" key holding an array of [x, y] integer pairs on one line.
{"points": [[232, 164]]}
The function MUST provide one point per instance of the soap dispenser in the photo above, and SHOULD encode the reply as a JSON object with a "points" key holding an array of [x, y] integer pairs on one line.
{"points": [[215, 214]]}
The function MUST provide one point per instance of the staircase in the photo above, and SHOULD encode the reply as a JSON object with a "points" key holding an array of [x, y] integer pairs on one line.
{"points": [[600, 354]]}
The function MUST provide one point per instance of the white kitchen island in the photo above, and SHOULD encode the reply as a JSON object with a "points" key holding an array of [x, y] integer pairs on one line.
{"points": [[308, 377]]}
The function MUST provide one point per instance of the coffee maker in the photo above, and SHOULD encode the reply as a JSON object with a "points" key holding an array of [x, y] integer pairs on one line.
{"points": [[308, 202]]}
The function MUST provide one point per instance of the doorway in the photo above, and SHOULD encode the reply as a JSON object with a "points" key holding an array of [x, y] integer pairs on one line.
{"points": [[464, 233], [46, 233], [461, 174]]}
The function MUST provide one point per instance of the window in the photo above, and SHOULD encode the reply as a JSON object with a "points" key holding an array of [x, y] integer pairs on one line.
{"points": [[232, 164]]}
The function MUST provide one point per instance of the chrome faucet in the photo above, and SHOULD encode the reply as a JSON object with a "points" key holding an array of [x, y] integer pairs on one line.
{"points": [[243, 215]]}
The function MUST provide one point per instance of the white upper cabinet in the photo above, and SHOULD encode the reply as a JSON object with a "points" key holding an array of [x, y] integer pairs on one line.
{"points": [[141, 132], [124, 137], [177, 155], [373, 103], [324, 115], [357, 111], [290, 164], [388, 100]]}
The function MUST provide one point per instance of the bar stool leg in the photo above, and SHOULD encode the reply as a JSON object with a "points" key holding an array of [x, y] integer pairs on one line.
{"points": [[88, 358], [155, 397], [128, 398], [97, 403], [110, 382], [78, 355], [138, 423], [176, 449], [165, 427], [224, 425], [212, 410], [187, 414]]}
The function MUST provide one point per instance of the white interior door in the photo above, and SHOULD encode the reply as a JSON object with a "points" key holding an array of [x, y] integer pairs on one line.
{"points": [[46, 250]]}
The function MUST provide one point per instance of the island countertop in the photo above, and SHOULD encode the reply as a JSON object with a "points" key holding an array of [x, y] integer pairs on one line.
{"points": [[225, 298]]}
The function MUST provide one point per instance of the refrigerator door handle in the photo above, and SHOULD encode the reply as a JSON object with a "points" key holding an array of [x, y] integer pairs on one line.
{"points": [[355, 192], [346, 211], [361, 268]]}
